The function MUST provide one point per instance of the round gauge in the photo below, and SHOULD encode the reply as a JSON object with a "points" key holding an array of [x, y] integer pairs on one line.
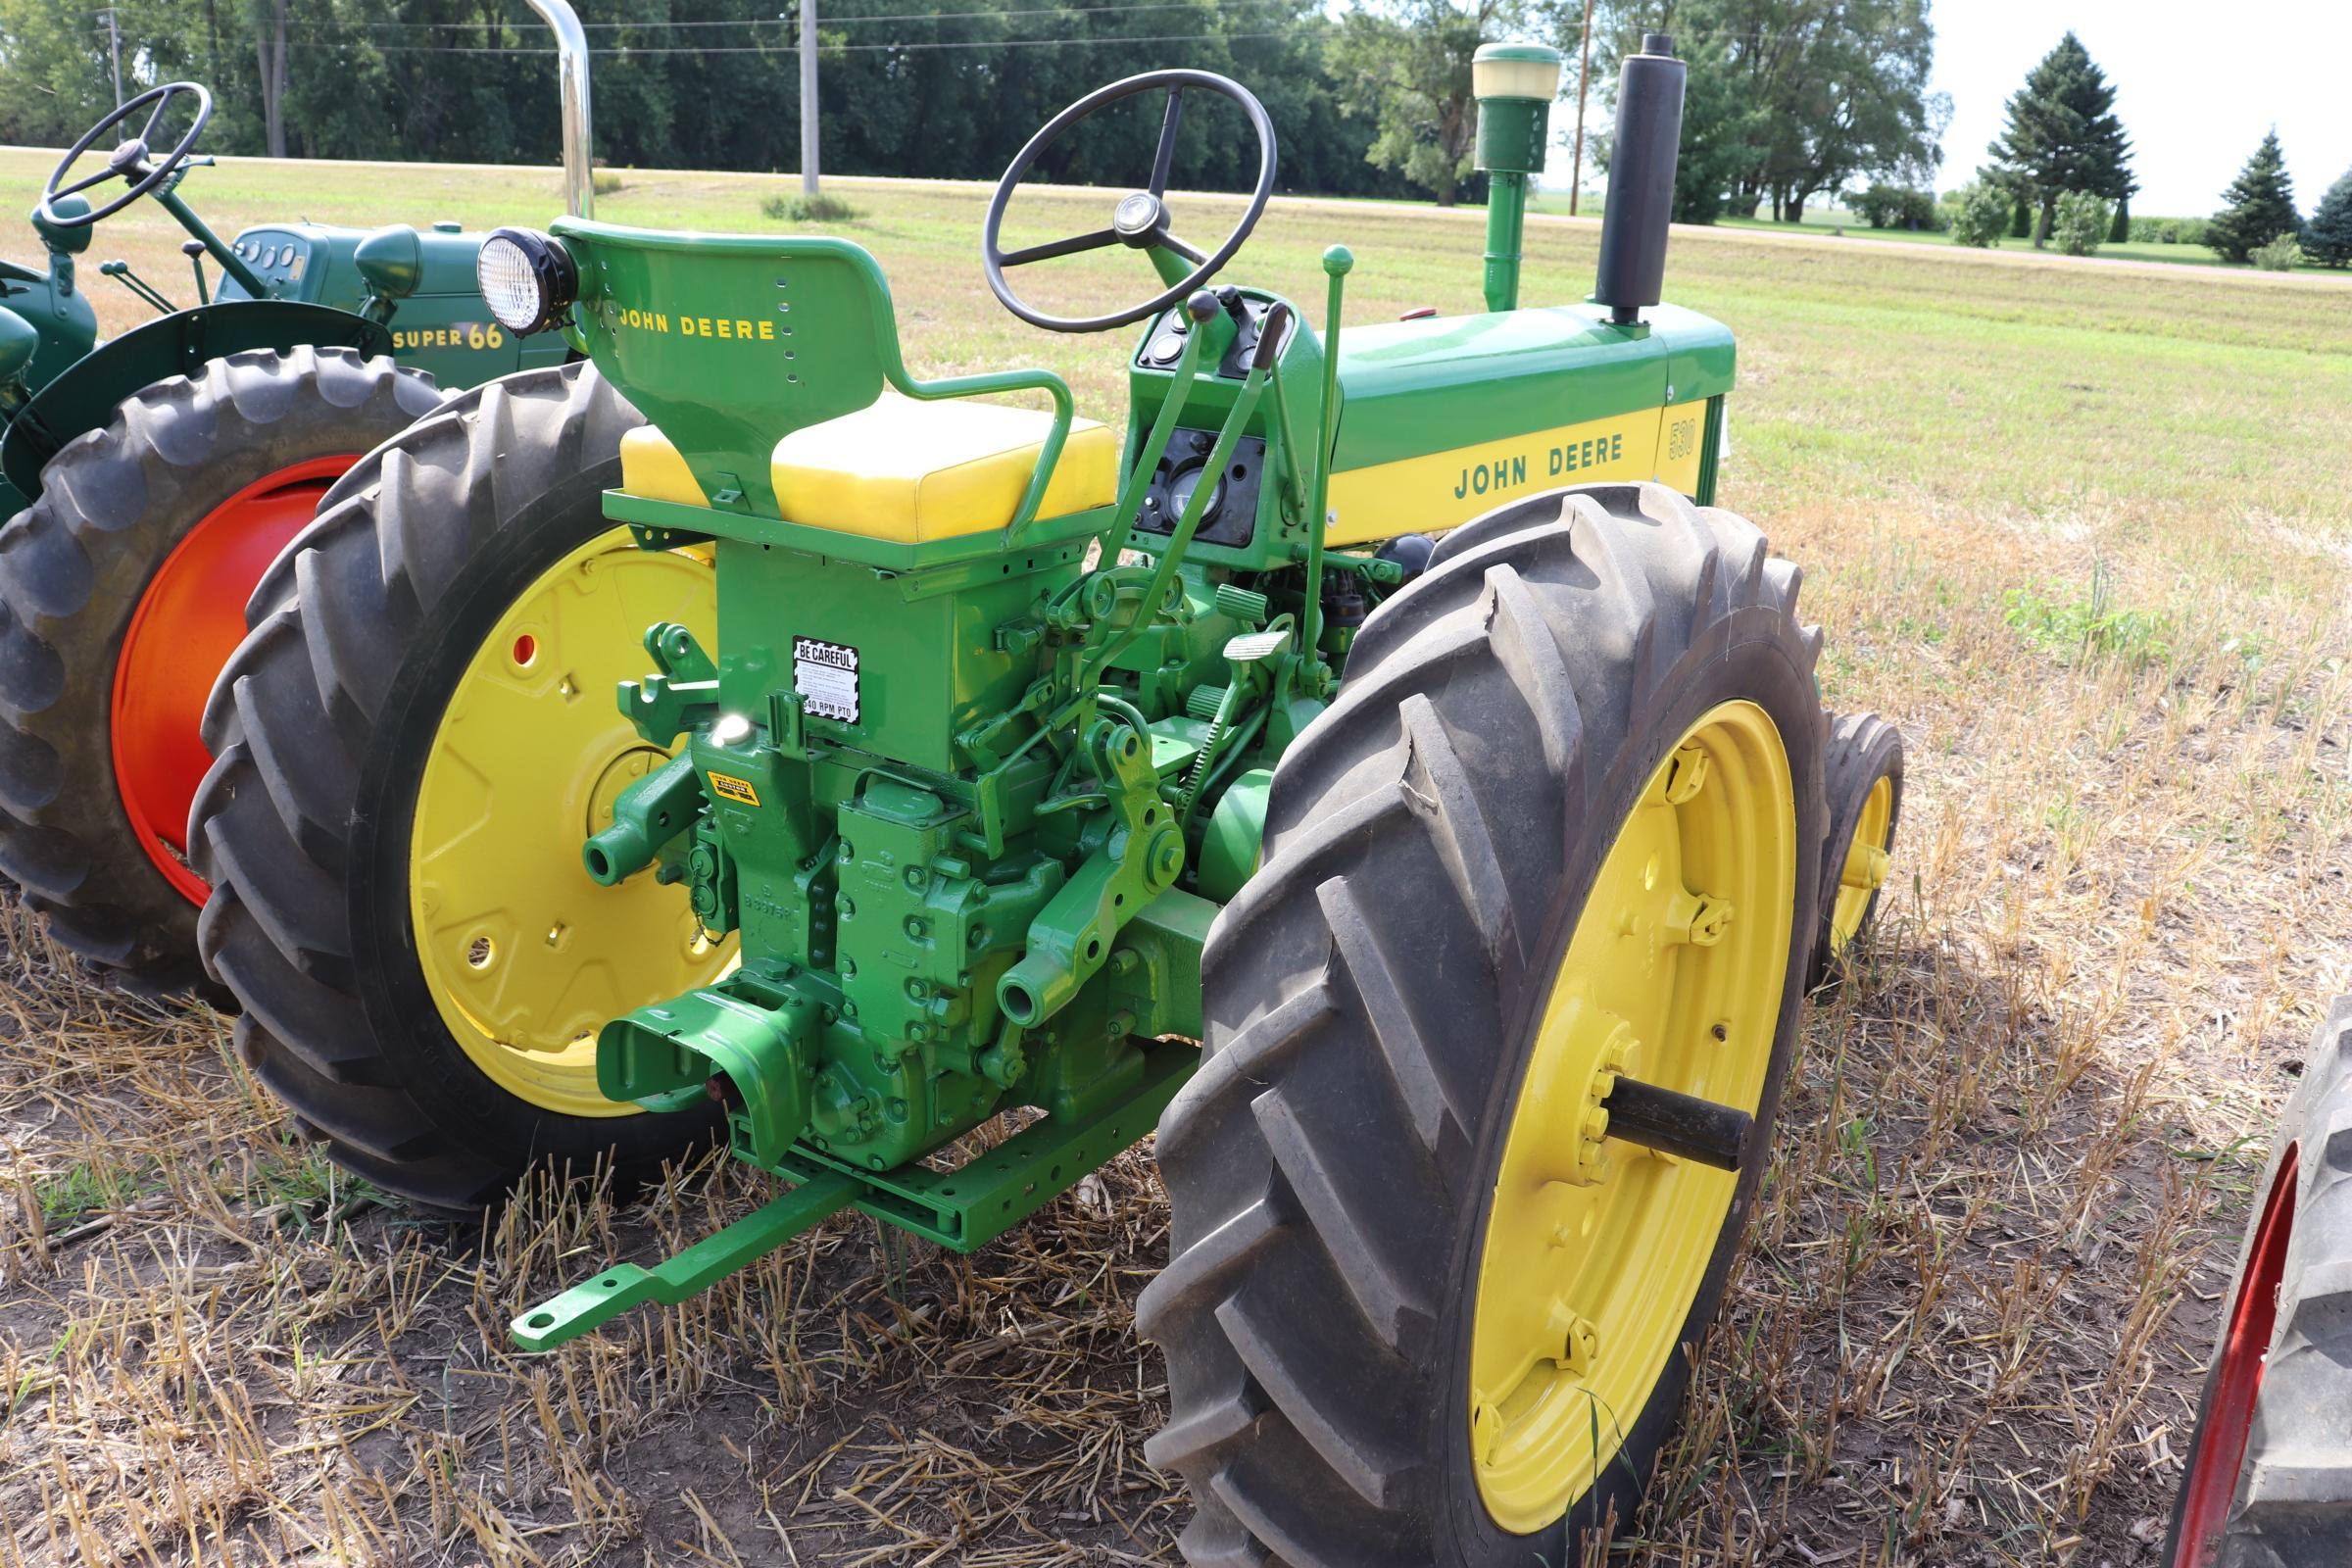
{"points": [[1166, 348], [1180, 496]]}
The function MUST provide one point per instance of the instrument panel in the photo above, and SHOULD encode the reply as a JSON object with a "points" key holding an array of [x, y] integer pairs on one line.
{"points": [[1231, 517], [1163, 345]]}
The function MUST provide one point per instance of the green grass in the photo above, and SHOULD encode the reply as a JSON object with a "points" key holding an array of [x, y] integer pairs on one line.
{"points": [[92, 1186], [1831, 223], [806, 210]]}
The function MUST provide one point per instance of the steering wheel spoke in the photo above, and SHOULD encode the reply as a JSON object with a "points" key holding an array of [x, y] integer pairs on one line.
{"points": [[80, 185], [1140, 221], [1075, 245], [1165, 158]]}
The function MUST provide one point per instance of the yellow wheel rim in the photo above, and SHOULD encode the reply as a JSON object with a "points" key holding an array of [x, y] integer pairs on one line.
{"points": [[1595, 1249], [524, 955], [1865, 865]]}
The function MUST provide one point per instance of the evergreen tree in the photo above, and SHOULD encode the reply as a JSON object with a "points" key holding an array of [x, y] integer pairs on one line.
{"points": [[2328, 238], [2021, 217], [2260, 205], [2121, 231], [2063, 134]]}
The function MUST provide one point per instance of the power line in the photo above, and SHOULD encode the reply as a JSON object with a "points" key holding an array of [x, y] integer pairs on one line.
{"points": [[788, 48], [527, 25]]}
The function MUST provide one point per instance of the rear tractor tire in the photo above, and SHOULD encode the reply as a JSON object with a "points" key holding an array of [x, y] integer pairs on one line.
{"points": [[1560, 833], [120, 592], [2269, 1481], [1864, 787], [412, 744]]}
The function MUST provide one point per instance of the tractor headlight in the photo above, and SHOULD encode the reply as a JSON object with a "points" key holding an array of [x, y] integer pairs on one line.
{"points": [[528, 281]]}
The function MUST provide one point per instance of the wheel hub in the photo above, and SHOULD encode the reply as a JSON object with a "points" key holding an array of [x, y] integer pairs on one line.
{"points": [[1595, 1249], [617, 775], [1864, 869], [525, 955]]}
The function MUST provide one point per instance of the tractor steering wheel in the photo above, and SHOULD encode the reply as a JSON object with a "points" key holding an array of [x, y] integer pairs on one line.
{"points": [[1140, 221], [130, 158]]}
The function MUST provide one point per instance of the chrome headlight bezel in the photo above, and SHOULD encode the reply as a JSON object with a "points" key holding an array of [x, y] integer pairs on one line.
{"points": [[527, 279]]}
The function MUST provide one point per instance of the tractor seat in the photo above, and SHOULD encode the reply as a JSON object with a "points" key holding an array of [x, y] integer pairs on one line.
{"points": [[904, 470]]}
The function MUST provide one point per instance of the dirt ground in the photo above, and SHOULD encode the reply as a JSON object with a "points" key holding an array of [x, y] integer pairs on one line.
{"points": [[2084, 538]]}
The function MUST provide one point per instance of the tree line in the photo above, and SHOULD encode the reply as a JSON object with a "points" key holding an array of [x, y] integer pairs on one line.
{"points": [[1789, 98], [1789, 102], [1792, 100], [937, 87], [2060, 174]]}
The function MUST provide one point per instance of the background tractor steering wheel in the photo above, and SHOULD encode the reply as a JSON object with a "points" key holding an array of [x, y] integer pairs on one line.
{"points": [[1141, 218], [129, 160]]}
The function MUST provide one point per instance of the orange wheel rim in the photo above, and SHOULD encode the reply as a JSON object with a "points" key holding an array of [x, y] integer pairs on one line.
{"points": [[2212, 1482], [189, 619]]}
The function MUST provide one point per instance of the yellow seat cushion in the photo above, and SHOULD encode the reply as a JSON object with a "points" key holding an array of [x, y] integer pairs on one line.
{"points": [[650, 467], [906, 470]]}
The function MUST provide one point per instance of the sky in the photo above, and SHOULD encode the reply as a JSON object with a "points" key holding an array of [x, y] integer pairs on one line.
{"points": [[2195, 86]]}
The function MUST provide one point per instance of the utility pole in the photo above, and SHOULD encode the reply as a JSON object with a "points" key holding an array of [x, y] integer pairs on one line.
{"points": [[807, 97], [1584, 74], [114, 52]]}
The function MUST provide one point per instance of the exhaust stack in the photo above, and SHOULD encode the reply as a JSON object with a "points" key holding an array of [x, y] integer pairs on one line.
{"points": [[571, 75], [1640, 199]]}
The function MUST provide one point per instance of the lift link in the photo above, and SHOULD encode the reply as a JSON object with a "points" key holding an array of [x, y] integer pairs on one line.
{"points": [[596, 1302]]}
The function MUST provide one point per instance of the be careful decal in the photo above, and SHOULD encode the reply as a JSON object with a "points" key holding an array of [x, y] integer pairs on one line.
{"points": [[825, 674]]}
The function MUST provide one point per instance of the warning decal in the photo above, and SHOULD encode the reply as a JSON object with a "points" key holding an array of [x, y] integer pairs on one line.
{"points": [[728, 787], [825, 674]]}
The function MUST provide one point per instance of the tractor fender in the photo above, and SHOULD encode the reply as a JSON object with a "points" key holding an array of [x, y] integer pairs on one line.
{"points": [[85, 394]]}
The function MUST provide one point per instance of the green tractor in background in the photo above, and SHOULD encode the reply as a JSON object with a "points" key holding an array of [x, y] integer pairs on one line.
{"points": [[1396, 719], [151, 478]]}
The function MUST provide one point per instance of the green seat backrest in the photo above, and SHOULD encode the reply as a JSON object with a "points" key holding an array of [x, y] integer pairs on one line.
{"points": [[730, 342]]}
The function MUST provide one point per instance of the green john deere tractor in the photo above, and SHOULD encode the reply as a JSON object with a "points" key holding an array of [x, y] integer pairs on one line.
{"points": [[1391, 715], [152, 477]]}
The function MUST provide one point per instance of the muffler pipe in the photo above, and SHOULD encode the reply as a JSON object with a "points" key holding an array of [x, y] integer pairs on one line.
{"points": [[1640, 199], [571, 76]]}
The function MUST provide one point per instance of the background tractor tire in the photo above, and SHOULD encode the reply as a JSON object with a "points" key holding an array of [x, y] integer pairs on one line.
{"points": [[2269, 1481], [120, 592], [1863, 751], [1373, 997], [366, 634]]}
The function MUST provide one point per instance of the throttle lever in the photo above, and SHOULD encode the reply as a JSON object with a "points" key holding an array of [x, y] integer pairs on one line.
{"points": [[1269, 337]]}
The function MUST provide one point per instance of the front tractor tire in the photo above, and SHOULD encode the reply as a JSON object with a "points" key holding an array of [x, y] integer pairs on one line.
{"points": [[412, 744], [1560, 830], [1863, 786], [120, 596]]}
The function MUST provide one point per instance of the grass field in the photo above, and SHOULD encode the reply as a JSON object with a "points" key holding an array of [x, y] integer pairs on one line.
{"points": [[2086, 535], [1833, 223]]}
